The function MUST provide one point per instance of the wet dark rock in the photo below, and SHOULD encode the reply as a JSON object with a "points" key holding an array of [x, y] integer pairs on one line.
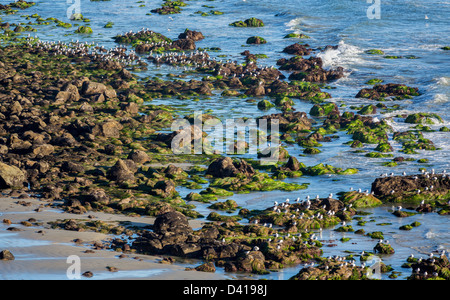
{"points": [[6, 255], [165, 189], [184, 44], [96, 195], [110, 128], [292, 164], [296, 121], [332, 270], [69, 93], [251, 262], [71, 225], [424, 208], [383, 248], [251, 22], [206, 267], [71, 167], [400, 91], [90, 88], [120, 172], [88, 274], [415, 188], [185, 137], [192, 35], [226, 167], [435, 266], [300, 64], [256, 40], [297, 49], [318, 75]]}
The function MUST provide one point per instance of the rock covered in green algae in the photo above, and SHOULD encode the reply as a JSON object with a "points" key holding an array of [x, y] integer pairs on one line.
{"points": [[252, 22], [214, 216], [381, 91], [383, 248], [375, 51], [249, 248], [413, 140], [307, 70], [333, 269], [257, 182], [315, 214], [142, 37], [290, 121], [21, 4], [374, 81], [412, 189], [384, 147], [368, 110], [435, 267], [169, 7], [256, 40], [320, 110], [410, 226], [265, 104], [227, 167], [228, 205], [322, 169], [423, 118], [84, 30], [296, 35], [360, 200]]}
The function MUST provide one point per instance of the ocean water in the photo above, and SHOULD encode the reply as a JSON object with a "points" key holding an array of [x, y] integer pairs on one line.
{"points": [[405, 28]]}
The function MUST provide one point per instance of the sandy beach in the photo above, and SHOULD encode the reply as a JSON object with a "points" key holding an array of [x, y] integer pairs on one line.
{"points": [[41, 252]]}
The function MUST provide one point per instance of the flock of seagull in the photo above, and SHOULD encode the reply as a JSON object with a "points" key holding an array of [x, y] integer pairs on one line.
{"points": [[284, 207], [77, 49], [428, 175]]}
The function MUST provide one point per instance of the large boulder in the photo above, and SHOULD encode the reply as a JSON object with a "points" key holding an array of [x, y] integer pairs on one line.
{"points": [[174, 222], [120, 172], [69, 93], [96, 195], [292, 164], [184, 44], [43, 150], [226, 167], [412, 189], [11, 177], [192, 35], [108, 129], [139, 156], [165, 189], [71, 167], [90, 88], [252, 261]]}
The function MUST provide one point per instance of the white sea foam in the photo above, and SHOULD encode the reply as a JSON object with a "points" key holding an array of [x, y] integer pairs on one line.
{"points": [[444, 81], [430, 235], [345, 55], [294, 24], [440, 98]]}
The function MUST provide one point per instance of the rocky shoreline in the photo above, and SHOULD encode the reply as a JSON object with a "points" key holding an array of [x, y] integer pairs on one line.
{"points": [[78, 127]]}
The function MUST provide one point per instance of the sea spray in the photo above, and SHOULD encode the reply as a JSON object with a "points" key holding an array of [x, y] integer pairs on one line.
{"points": [[344, 55]]}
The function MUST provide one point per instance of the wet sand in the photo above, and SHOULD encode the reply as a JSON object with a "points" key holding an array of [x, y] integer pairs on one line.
{"points": [[41, 252]]}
